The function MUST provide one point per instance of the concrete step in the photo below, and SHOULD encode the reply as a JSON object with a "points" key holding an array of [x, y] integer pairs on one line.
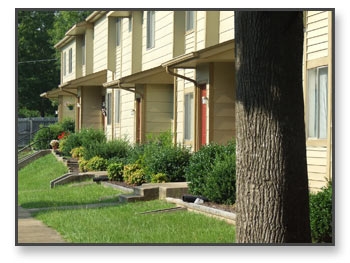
{"points": [[125, 198], [148, 192]]}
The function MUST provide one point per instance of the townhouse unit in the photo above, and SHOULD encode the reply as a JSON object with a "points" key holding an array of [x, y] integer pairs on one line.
{"points": [[135, 73]]}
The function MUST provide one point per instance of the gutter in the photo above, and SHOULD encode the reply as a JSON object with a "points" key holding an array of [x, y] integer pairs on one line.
{"points": [[196, 106]]}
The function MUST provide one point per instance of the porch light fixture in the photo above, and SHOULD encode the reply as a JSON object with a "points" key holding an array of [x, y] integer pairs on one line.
{"points": [[205, 100]]}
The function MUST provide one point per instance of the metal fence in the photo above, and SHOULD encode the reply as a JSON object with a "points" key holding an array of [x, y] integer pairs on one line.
{"points": [[27, 127]]}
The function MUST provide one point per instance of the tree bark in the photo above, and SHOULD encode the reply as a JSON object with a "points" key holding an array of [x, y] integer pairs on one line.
{"points": [[272, 184]]}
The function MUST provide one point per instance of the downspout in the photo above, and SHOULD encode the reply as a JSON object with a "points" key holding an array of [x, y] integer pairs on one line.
{"points": [[167, 69]]}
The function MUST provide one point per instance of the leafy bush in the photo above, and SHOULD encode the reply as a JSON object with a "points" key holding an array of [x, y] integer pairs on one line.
{"points": [[133, 174], [96, 164], [221, 181], [211, 172], [321, 215], [83, 165], [45, 135], [68, 125], [116, 148], [159, 178], [85, 138], [161, 156], [115, 171], [77, 152]]}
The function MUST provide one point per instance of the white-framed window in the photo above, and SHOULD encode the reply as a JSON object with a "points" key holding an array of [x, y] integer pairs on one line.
{"points": [[317, 92], [109, 108], [64, 63], [70, 61], [150, 29], [117, 105], [189, 20], [188, 128], [83, 51], [118, 30]]}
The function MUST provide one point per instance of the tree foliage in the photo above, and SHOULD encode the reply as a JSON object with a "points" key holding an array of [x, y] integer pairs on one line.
{"points": [[38, 61]]}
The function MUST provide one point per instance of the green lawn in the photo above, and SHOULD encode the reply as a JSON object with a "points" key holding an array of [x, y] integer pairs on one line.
{"points": [[34, 187], [122, 223]]}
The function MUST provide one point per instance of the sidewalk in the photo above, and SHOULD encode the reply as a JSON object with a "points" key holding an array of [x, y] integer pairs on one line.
{"points": [[32, 231]]}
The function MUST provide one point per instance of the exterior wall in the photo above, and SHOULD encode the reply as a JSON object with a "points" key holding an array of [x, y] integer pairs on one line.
{"points": [[318, 53], [317, 167], [163, 47], [91, 115], [100, 46], [158, 109], [226, 26], [68, 76], [200, 30], [63, 111], [223, 102], [317, 35], [126, 127]]}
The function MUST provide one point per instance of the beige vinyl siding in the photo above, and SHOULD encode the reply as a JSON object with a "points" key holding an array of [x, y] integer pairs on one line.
{"points": [[180, 111], [158, 109], [317, 167], [190, 42], [163, 47], [64, 112], [91, 116], [69, 75], [123, 51], [126, 46], [200, 30], [316, 35], [226, 26], [100, 44], [223, 102], [126, 129]]}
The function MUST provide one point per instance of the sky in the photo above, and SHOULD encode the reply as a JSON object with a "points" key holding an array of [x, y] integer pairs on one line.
{"points": [[338, 253]]}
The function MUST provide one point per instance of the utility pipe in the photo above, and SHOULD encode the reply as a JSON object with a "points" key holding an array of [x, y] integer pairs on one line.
{"points": [[167, 69]]}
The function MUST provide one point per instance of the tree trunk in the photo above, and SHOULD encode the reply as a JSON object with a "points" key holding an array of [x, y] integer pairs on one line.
{"points": [[272, 184]]}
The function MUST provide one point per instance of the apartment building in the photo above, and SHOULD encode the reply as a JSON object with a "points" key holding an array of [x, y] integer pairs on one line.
{"points": [[135, 73]]}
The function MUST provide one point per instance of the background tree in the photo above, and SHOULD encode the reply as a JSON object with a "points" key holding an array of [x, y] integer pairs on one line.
{"points": [[36, 69], [38, 62], [272, 186]]}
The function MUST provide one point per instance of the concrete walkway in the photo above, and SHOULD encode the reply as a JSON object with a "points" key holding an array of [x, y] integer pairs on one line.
{"points": [[33, 231]]}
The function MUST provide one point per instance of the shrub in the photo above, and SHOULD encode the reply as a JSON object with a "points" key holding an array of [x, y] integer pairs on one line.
{"points": [[85, 138], [211, 172], [159, 178], [77, 152], [45, 135], [115, 171], [171, 161], [221, 181], [68, 125], [96, 164], [160, 155], [82, 165], [321, 215], [116, 148], [133, 174]]}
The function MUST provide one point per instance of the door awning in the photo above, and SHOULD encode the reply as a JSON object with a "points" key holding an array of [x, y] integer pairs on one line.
{"points": [[94, 79], [52, 94], [155, 75], [223, 52]]}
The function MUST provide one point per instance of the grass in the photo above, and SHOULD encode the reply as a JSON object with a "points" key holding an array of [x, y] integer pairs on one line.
{"points": [[120, 224], [124, 224], [34, 187]]}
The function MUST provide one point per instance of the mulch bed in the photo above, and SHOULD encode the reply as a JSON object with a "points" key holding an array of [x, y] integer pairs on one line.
{"points": [[228, 208]]}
